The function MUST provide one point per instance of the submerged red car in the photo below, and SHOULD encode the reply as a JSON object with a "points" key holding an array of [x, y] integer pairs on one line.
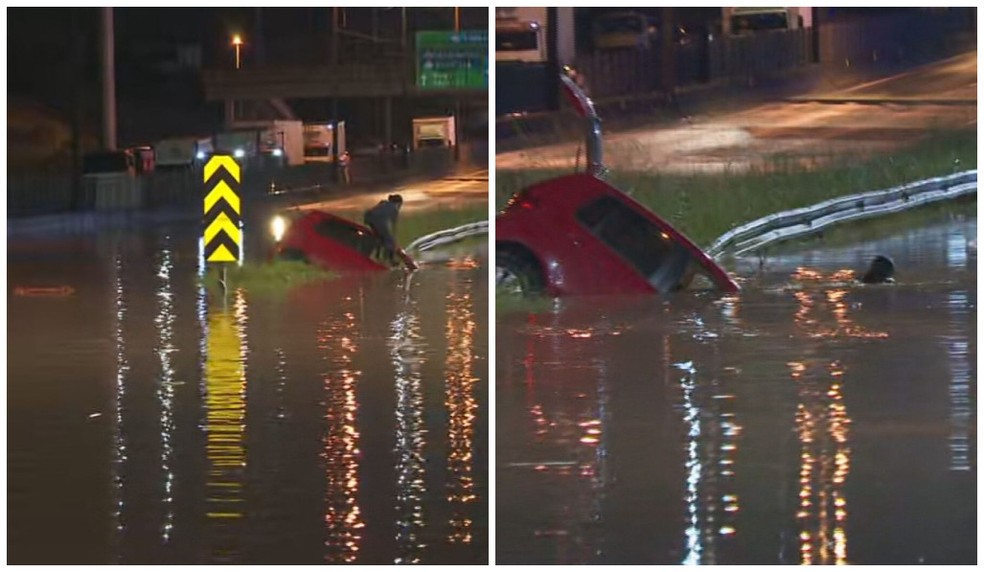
{"points": [[579, 235], [335, 243]]}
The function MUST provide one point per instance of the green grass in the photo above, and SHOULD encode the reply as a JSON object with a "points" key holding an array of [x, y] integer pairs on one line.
{"points": [[509, 302], [414, 224], [264, 278], [704, 206], [275, 278]]}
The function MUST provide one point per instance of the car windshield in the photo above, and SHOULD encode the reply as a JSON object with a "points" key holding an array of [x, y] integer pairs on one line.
{"points": [[351, 236], [665, 263]]}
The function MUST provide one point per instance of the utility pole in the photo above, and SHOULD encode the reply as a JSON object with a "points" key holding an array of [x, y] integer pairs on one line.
{"points": [[457, 103], [78, 48], [108, 80]]}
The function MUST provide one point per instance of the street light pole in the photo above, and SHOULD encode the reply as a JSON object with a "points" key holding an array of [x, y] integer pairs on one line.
{"points": [[237, 42], [109, 80]]}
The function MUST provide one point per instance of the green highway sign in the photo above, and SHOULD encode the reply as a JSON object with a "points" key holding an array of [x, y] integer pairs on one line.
{"points": [[453, 60]]}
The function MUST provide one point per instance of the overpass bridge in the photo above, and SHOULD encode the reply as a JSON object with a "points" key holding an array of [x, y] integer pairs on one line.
{"points": [[260, 91]]}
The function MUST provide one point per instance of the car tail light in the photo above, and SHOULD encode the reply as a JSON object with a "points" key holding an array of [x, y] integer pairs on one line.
{"points": [[521, 200]]}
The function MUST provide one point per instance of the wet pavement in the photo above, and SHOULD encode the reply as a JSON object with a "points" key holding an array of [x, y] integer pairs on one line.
{"points": [[462, 190], [805, 420], [152, 422], [867, 118]]}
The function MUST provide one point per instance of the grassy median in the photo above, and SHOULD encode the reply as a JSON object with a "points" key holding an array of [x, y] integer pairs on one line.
{"points": [[262, 277], [705, 206]]}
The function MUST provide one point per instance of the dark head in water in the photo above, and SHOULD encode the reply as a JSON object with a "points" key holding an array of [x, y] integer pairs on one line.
{"points": [[880, 271]]}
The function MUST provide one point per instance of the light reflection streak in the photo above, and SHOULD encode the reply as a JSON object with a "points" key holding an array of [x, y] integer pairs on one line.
{"points": [[165, 393], [822, 426], [225, 426], [119, 441], [281, 385], [713, 432], [693, 466], [957, 347], [578, 425], [462, 405], [407, 354], [338, 338], [835, 295]]}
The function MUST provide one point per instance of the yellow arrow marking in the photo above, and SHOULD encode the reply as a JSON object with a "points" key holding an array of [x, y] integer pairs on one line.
{"points": [[222, 224], [221, 254], [218, 161], [222, 191]]}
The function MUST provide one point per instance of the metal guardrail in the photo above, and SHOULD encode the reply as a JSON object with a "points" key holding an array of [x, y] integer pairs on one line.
{"points": [[448, 236], [796, 223]]}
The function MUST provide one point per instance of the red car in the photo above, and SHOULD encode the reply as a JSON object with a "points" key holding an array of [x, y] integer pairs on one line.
{"points": [[579, 235], [332, 242]]}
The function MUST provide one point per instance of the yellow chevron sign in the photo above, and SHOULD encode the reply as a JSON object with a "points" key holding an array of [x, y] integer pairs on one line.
{"points": [[223, 220]]}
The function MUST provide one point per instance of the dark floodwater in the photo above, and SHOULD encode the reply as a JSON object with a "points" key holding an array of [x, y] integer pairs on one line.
{"points": [[150, 423], [806, 420]]}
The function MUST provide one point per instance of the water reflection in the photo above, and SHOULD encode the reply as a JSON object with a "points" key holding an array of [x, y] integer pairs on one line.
{"points": [[215, 454], [822, 427], [225, 428], [961, 403], [165, 391], [957, 345], [567, 425], [408, 355], [712, 437], [462, 405], [338, 340], [119, 439], [809, 419]]}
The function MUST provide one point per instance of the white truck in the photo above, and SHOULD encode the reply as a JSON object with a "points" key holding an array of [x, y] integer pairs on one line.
{"points": [[318, 141], [433, 132], [521, 35], [748, 20], [279, 140], [181, 152]]}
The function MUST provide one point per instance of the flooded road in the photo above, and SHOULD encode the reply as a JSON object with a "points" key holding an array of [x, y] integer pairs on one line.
{"points": [[805, 420], [149, 422]]}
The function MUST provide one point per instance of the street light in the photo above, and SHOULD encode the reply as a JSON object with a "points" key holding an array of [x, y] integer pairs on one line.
{"points": [[237, 42]]}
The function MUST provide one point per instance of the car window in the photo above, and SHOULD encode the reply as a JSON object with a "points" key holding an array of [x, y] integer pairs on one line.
{"points": [[645, 245], [346, 234]]}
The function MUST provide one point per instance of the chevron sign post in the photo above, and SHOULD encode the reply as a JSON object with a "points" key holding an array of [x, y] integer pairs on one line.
{"points": [[223, 230]]}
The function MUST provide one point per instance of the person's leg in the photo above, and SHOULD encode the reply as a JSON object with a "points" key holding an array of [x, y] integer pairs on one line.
{"points": [[378, 249]]}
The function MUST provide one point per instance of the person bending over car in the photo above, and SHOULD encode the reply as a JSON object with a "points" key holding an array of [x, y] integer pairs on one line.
{"points": [[382, 220]]}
